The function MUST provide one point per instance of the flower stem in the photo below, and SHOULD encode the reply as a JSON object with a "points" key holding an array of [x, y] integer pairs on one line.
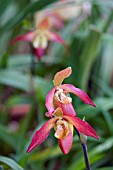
{"points": [[32, 70], [32, 60], [84, 146], [32, 83]]}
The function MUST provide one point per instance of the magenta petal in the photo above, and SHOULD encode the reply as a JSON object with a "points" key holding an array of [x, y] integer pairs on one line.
{"points": [[56, 21], [49, 102], [78, 92], [82, 126], [41, 134], [53, 36], [39, 52], [27, 37], [67, 108], [66, 143]]}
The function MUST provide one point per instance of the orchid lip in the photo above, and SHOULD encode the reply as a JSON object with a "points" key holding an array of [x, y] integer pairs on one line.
{"points": [[62, 97], [61, 128]]}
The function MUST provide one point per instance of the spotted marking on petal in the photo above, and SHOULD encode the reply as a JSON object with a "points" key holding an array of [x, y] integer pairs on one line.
{"points": [[62, 129]]}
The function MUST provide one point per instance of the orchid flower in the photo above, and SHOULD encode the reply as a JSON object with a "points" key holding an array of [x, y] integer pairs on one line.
{"points": [[55, 20], [59, 95], [63, 126], [39, 38]]}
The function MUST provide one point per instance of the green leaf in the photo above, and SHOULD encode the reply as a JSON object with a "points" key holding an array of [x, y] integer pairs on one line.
{"points": [[3, 60], [29, 9], [18, 99], [102, 104], [103, 3], [1, 167], [15, 79], [107, 37], [24, 82], [8, 137], [80, 164], [95, 154], [45, 154], [105, 168], [109, 121], [103, 86], [89, 55], [18, 61], [11, 163], [4, 5]]}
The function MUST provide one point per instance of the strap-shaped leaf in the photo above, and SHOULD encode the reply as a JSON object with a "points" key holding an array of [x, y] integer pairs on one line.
{"points": [[11, 163]]}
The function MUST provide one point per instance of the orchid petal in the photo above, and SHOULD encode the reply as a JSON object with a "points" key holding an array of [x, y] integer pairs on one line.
{"points": [[56, 21], [67, 108], [66, 143], [61, 75], [79, 92], [41, 134], [82, 126], [49, 101], [45, 24], [27, 37], [53, 36], [39, 52]]}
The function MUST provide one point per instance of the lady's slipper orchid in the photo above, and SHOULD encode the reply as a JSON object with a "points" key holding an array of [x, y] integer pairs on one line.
{"points": [[59, 95], [40, 37], [63, 126], [55, 20]]}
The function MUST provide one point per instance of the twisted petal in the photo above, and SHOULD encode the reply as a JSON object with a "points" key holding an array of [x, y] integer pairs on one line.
{"points": [[67, 108], [49, 102], [39, 52], [66, 143], [78, 92], [45, 24], [61, 75], [53, 36], [41, 134], [27, 37], [82, 126]]}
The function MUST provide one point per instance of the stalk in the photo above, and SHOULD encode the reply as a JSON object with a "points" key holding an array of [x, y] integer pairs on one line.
{"points": [[84, 147], [32, 60]]}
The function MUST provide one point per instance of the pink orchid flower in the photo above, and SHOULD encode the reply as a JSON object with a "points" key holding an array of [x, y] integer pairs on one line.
{"points": [[59, 95], [40, 37], [63, 126]]}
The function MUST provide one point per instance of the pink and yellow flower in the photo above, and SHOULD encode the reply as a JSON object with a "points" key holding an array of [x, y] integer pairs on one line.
{"points": [[40, 37], [59, 95], [63, 117], [63, 126]]}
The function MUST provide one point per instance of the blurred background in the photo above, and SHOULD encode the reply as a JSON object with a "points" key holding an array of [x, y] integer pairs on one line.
{"points": [[87, 27]]}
